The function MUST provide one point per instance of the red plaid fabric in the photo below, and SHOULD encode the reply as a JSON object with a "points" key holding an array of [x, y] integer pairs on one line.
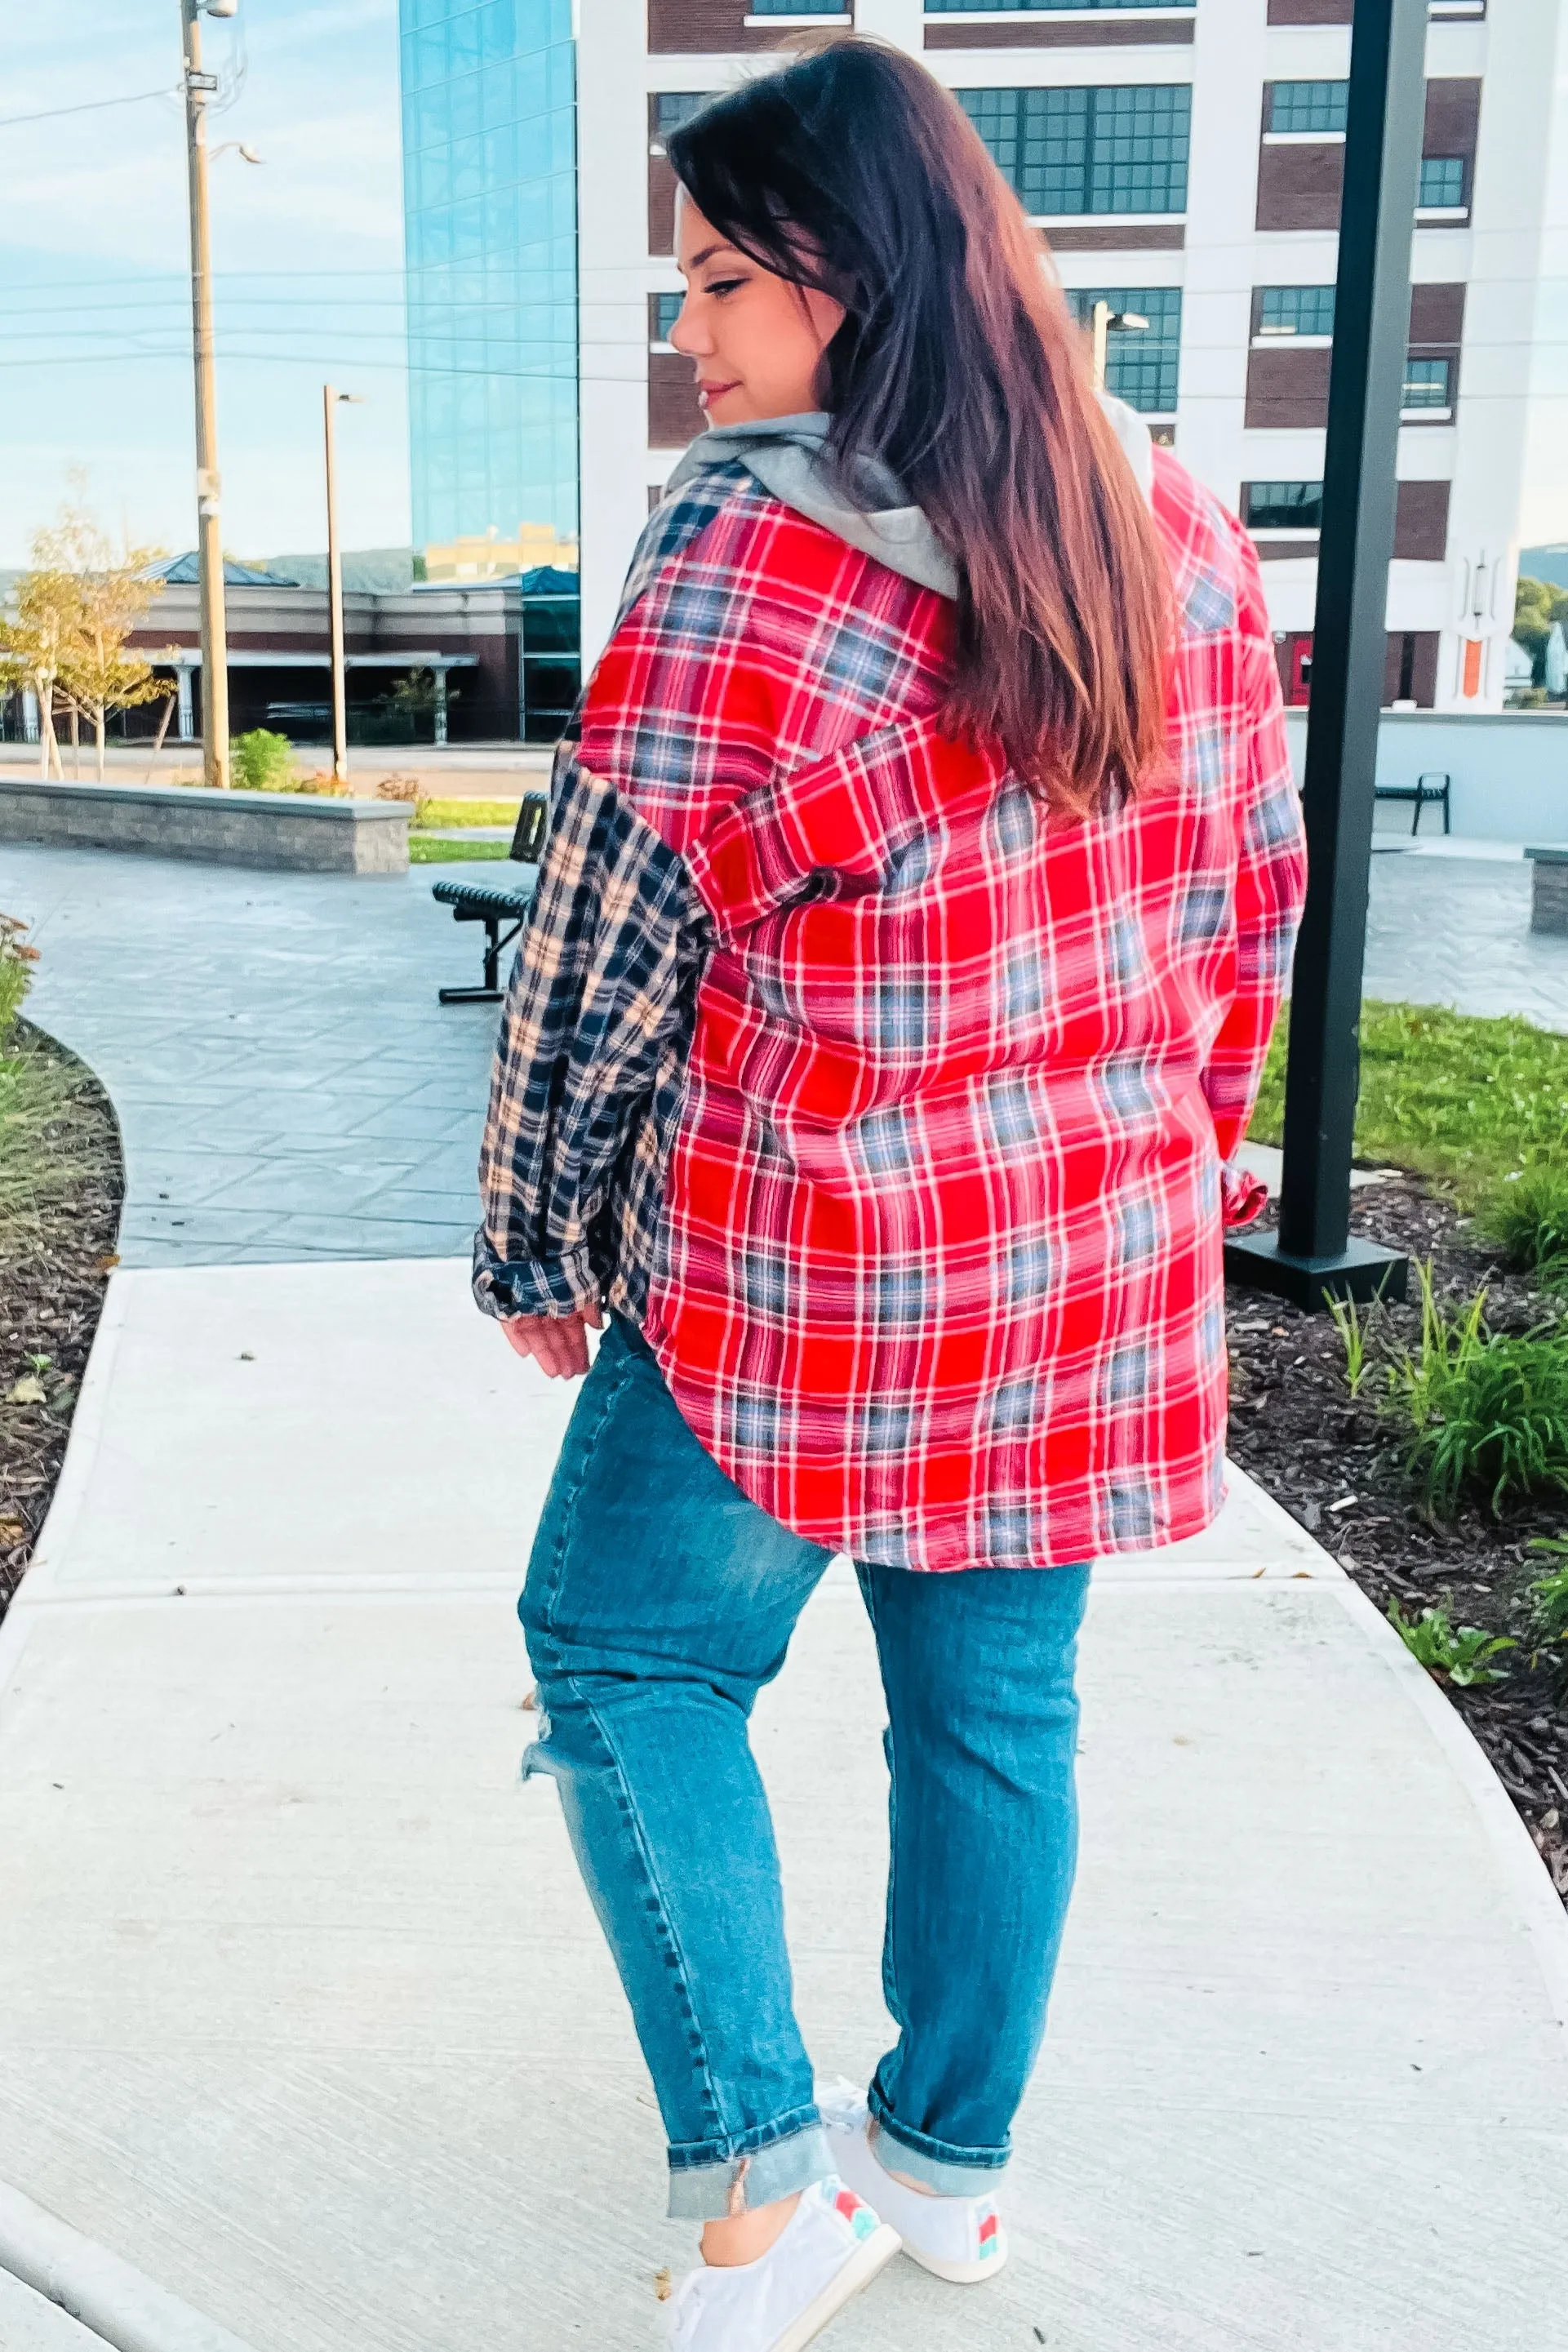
{"points": [[938, 1274]]}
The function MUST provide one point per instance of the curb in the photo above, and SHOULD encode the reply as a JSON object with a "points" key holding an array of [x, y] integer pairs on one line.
{"points": [[109, 2297], [1542, 1916], [76, 1475]]}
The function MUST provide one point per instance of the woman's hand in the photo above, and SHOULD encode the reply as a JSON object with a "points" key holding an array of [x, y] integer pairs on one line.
{"points": [[558, 1343]]}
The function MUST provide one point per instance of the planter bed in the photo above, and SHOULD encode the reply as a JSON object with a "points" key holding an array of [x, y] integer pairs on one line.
{"points": [[283, 831], [61, 1189], [1295, 1428]]}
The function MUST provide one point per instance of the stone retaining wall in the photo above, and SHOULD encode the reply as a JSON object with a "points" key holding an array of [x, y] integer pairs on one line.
{"points": [[293, 832]]}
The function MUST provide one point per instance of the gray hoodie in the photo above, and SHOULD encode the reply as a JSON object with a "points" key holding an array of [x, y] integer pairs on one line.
{"points": [[784, 454]]}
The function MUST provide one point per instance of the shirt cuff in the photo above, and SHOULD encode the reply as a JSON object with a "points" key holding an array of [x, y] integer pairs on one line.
{"points": [[506, 1286], [1243, 1195]]}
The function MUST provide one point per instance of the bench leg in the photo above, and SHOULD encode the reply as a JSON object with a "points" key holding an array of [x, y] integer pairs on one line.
{"points": [[492, 992], [1416, 820]]}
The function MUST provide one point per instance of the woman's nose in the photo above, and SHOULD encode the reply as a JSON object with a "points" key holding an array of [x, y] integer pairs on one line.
{"points": [[686, 334]]}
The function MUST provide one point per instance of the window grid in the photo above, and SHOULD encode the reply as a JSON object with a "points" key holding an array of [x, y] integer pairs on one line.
{"points": [[1427, 383], [1442, 181], [1284, 506], [796, 8], [1064, 151], [1317, 106], [673, 107], [666, 311], [1036, 7], [1296, 309], [1143, 366]]}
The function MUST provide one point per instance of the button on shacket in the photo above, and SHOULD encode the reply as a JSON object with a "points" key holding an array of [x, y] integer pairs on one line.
{"points": [[896, 1112]]}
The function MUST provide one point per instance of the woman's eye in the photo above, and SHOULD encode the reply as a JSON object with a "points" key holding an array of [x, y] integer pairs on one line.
{"points": [[725, 285]]}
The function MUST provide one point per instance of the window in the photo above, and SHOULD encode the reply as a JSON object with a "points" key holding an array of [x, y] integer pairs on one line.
{"points": [[1283, 505], [1032, 7], [673, 107], [1088, 150], [666, 311], [1442, 182], [798, 7], [1427, 383], [1295, 310], [1142, 364], [1315, 107]]}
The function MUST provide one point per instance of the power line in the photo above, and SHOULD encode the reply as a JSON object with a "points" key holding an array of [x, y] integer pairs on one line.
{"points": [[90, 106]]}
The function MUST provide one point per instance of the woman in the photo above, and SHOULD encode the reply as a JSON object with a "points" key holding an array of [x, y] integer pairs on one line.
{"points": [[917, 901]]}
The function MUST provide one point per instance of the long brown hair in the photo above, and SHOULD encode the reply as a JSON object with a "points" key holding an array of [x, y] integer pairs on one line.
{"points": [[959, 367]]}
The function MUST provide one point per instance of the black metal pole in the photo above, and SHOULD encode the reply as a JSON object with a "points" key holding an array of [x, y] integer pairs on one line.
{"points": [[1312, 1252]]}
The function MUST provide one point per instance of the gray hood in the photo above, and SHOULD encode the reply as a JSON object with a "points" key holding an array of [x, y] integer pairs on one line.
{"points": [[784, 454]]}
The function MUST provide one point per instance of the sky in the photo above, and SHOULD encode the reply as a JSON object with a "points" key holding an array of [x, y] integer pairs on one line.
{"points": [[95, 366]]}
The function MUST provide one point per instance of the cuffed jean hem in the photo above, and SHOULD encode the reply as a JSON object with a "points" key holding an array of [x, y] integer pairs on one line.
{"points": [[705, 2192], [951, 2171]]}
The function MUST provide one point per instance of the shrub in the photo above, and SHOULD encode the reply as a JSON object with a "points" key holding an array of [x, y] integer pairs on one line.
{"points": [[1549, 1602], [1528, 1214], [1482, 1409], [16, 961], [398, 788], [264, 762], [1458, 1654]]}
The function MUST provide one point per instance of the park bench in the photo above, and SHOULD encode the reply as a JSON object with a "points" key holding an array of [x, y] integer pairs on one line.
{"points": [[1429, 790], [496, 905]]}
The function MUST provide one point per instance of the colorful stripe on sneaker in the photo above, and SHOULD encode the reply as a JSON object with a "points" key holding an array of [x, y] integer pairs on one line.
{"points": [[990, 2231], [859, 2215]]}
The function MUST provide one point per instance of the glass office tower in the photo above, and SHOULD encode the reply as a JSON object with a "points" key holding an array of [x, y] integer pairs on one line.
{"points": [[490, 226]]}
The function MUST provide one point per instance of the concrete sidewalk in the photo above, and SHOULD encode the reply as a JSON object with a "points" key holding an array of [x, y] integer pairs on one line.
{"points": [[307, 2014]]}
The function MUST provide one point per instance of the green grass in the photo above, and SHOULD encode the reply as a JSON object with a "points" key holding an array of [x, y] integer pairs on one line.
{"points": [[52, 1138], [16, 961], [437, 812], [1528, 1215], [422, 851], [1447, 1094]]}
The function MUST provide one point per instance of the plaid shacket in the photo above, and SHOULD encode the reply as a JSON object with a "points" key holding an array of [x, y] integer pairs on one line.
{"points": [[892, 1111]]}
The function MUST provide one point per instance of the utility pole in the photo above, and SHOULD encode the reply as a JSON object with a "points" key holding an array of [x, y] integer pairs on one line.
{"points": [[330, 396], [335, 593], [199, 88], [1314, 1255]]}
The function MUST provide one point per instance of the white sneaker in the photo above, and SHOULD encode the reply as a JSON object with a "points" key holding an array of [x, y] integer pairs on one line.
{"points": [[832, 2245], [957, 2238]]}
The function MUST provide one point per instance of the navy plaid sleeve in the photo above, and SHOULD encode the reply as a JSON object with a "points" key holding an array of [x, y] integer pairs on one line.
{"points": [[602, 984]]}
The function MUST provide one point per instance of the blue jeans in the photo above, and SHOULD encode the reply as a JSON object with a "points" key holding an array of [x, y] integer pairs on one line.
{"points": [[659, 1602]]}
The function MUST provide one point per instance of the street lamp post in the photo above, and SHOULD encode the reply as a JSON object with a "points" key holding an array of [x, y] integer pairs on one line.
{"points": [[1102, 321], [199, 88], [1313, 1255], [330, 397]]}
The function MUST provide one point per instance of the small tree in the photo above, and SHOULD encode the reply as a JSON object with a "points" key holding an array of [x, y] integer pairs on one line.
{"points": [[1537, 604], [99, 671], [36, 636]]}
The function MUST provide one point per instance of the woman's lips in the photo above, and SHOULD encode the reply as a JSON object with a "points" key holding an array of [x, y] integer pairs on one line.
{"points": [[708, 393]]}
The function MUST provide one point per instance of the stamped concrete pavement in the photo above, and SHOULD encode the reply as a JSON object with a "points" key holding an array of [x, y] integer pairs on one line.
{"points": [[287, 1085]]}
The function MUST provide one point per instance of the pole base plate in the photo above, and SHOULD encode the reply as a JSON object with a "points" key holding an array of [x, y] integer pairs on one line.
{"points": [[1362, 1271]]}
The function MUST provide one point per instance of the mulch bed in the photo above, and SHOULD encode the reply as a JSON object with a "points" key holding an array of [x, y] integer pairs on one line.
{"points": [[1294, 1429], [57, 1251]]}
